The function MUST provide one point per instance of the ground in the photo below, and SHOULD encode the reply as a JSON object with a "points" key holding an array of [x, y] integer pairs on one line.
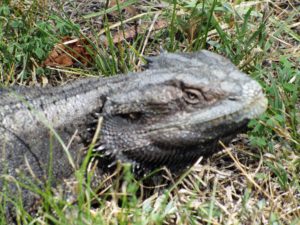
{"points": [[254, 180]]}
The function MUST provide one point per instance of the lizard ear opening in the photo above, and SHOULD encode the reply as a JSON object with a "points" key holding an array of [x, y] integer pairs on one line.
{"points": [[133, 116]]}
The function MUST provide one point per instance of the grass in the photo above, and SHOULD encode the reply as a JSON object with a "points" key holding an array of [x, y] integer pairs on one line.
{"points": [[255, 181]]}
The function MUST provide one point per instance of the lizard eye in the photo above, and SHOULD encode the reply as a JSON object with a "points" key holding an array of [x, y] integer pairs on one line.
{"points": [[192, 96]]}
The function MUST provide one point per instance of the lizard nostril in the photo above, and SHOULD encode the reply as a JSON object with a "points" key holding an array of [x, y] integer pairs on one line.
{"points": [[232, 98]]}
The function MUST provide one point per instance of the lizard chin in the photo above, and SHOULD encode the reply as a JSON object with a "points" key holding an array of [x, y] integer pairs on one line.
{"points": [[150, 155]]}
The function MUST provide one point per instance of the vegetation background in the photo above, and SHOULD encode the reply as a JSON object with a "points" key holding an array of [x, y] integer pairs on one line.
{"points": [[255, 180]]}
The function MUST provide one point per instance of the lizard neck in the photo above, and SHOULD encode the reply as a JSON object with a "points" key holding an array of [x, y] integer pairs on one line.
{"points": [[27, 109]]}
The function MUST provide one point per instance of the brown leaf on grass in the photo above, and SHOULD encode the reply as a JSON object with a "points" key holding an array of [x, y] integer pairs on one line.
{"points": [[133, 31], [68, 52]]}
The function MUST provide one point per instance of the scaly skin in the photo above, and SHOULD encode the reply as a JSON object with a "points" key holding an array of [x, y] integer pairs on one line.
{"points": [[177, 112], [168, 115]]}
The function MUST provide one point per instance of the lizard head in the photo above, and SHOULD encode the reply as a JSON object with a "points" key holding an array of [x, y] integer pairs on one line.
{"points": [[176, 111]]}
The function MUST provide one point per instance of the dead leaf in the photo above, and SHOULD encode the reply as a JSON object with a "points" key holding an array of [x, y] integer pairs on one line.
{"points": [[133, 31], [68, 52]]}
